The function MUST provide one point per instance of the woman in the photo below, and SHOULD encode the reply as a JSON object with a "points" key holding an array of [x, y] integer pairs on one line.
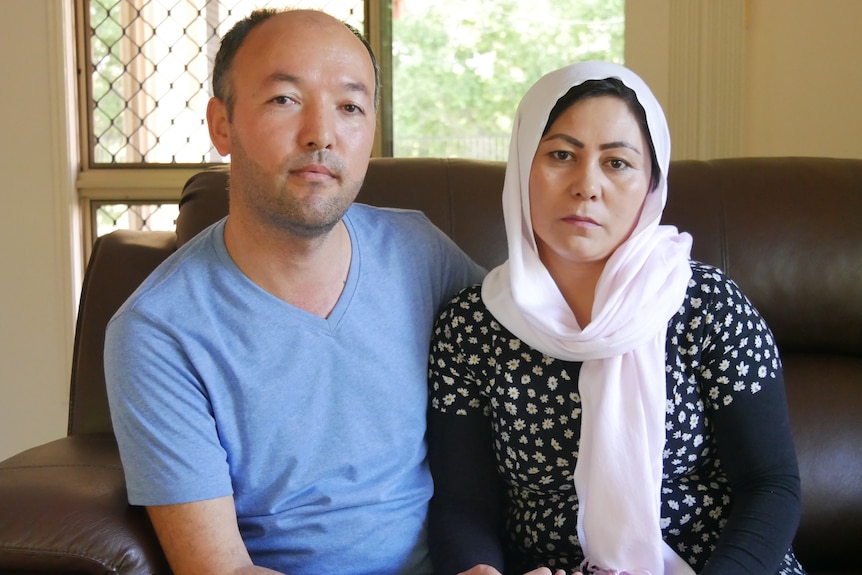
{"points": [[601, 403]]}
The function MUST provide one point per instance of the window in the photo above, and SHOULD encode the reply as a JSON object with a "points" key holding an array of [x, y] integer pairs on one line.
{"points": [[452, 72], [145, 91], [149, 74], [460, 67]]}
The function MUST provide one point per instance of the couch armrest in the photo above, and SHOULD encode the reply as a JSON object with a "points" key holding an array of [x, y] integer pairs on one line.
{"points": [[63, 508]]}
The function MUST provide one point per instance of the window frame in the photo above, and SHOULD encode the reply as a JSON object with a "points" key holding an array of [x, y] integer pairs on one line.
{"points": [[163, 183]]}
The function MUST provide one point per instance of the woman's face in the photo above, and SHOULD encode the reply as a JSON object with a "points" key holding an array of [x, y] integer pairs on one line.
{"points": [[588, 182]]}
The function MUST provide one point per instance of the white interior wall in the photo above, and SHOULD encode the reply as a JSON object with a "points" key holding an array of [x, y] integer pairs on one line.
{"points": [[804, 78], [802, 90], [38, 287]]}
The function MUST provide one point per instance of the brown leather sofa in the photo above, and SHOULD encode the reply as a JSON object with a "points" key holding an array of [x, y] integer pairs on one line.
{"points": [[788, 230]]}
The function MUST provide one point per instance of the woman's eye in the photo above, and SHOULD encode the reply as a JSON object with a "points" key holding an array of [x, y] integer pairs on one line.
{"points": [[617, 164], [561, 155], [281, 100]]}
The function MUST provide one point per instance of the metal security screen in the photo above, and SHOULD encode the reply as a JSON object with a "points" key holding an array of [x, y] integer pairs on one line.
{"points": [[149, 74], [452, 73], [138, 215]]}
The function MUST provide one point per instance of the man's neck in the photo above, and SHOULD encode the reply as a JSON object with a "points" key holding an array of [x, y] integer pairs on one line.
{"points": [[308, 273]]}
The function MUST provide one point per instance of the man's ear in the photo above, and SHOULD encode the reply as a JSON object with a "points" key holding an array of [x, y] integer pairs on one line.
{"points": [[219, 125]]}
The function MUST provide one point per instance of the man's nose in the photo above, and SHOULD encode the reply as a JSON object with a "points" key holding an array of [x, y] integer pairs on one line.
{"points": [[318, 129]]}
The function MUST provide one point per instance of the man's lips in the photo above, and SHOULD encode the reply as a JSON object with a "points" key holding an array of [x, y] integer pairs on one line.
{"points": [[313, 171]]}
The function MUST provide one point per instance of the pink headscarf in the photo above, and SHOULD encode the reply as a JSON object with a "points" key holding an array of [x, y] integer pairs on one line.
{"points": [[622, 380]]}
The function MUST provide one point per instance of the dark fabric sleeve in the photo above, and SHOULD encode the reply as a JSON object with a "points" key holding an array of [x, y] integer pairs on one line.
{"points": [[465, 516], [757, 453], [754, 444]]}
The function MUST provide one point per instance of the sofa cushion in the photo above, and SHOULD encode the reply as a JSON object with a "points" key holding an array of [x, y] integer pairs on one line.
{"points": [[68, 499], [824, 393]]}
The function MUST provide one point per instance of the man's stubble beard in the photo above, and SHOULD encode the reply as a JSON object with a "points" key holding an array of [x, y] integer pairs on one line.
{"points": [[268, 196]]}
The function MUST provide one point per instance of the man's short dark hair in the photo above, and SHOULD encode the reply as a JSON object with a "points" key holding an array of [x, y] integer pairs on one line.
{"points": [[231, 42]]}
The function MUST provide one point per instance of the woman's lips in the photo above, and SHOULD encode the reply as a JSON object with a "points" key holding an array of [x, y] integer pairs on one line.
{"points": [[581, 221]]}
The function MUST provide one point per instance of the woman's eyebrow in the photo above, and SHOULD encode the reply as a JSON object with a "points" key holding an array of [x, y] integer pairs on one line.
{"points": [[620, 144], [578, 144], [573, 141]]}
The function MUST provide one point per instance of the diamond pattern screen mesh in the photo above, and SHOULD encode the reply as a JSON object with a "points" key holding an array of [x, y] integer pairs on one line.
{"points": [[150, 63]]}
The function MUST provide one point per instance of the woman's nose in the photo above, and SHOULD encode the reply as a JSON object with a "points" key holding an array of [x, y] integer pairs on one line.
{"points": [[586, 183]]}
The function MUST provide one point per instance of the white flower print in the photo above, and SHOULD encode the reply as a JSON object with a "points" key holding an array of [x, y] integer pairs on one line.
{"points": [[665, 522], [719, 352]]}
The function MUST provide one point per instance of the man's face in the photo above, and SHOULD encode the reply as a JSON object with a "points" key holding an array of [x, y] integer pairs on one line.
{"points": [[303, 122]]}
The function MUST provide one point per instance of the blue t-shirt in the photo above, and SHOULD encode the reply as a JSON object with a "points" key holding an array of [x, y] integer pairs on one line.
{"points": [[315, 426]]}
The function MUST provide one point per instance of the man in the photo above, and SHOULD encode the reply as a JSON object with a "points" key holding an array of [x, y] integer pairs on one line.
{"points": [[268, 381]]}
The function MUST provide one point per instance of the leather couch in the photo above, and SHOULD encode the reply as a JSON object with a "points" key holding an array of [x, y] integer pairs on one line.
{"points": [[788, 230]]}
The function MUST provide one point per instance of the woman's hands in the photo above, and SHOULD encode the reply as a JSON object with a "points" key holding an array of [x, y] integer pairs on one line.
{"points": [[488, 570]]}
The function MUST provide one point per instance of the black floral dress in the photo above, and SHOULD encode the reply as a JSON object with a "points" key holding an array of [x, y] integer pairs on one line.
{"points": [[504, 425]]}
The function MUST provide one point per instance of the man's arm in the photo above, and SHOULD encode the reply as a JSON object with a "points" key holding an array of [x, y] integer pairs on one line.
{"points": [[203, 537]]}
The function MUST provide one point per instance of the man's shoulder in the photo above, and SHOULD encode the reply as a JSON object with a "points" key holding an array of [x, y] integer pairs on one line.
{"points": [[411, 238], [389, 215], [191, 263], [407, 226]]}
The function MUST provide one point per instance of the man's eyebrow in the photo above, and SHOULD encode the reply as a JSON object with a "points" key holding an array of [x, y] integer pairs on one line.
{"points": [[578, 144], [279, 77], [283, 77], [359, 87]]}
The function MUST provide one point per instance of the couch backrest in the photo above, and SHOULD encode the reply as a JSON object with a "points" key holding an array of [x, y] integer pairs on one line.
{"points": [[119, 262], [788, 230], [462, 197]]}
